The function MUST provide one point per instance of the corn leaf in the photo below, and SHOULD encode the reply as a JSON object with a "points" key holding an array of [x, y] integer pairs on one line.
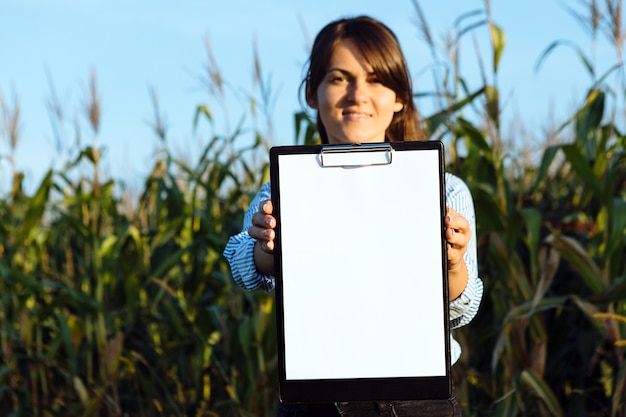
{"points": [[540, 388]]}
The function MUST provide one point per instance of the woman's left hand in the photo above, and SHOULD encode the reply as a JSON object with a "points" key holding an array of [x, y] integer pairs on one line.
{"points": [[458, 234]]}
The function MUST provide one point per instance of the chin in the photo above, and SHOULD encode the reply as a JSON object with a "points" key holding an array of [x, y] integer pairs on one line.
{"points": [[351, 141]]}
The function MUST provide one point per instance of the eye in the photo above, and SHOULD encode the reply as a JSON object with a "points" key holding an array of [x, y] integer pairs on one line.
{"points": [[335, 76]]}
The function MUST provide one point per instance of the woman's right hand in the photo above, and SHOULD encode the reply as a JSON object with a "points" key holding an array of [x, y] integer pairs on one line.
{"points": [[262, 230]]}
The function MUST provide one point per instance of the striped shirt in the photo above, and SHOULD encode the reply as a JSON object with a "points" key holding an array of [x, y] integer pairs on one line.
{"points": [[240, 249]]}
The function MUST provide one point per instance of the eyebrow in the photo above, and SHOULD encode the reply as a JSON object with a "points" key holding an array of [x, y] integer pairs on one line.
{"points": [[346, 72]]}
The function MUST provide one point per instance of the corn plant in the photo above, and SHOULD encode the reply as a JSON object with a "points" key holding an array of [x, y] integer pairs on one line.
{"points": [[551, 246], [107, 312]]}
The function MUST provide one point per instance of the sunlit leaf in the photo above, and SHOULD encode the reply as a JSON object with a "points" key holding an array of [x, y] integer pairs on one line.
{"points": [[498, 42], [35, 211], [202, 110]]}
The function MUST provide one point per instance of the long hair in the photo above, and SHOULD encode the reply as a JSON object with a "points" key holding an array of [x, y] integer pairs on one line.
{"points": [[381, 49]]}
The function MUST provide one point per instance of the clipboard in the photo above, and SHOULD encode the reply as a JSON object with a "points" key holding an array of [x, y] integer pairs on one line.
{"points": [[361, 272]]}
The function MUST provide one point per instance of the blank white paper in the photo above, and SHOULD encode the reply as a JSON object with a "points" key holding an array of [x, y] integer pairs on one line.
{"points": [[362, 268]]}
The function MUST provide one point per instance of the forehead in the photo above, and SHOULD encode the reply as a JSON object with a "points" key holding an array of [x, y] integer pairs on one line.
{"points": [[348, 56]]}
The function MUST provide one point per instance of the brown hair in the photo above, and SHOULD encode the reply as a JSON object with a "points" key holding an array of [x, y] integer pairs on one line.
{"points": [[381, 49]]}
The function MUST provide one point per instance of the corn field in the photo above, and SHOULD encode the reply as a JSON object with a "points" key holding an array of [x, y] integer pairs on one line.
{"points": [[117, 305]]}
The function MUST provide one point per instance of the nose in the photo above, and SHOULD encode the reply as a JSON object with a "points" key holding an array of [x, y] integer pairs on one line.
{"points": [[357, 91]]}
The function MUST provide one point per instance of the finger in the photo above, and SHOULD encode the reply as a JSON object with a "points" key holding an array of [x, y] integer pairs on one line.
{"points": [[456, 221], [263, 220], [266, 207], [455, 243], [261, 233], [457, 239], [453, 257], [449, 220], [266, 246]]}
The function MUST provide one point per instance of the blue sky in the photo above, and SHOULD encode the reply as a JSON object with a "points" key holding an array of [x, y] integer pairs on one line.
{"points": [[138, 45]]}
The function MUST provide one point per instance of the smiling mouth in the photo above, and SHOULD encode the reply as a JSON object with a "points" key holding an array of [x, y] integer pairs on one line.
{"points": [[355, 115]]}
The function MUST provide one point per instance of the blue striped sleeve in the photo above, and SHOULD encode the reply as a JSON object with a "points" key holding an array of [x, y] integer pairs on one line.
{"points": [[239, 251], [464, 308]]}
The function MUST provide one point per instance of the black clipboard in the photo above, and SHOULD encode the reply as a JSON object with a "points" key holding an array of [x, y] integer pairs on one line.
{"points": [[361, 272]]}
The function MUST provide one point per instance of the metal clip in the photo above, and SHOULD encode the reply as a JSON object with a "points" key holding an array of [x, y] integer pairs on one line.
{"points": [[356, 155]]}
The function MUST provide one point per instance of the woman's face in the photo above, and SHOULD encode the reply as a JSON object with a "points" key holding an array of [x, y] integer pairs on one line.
{"points": [[352, 103]]}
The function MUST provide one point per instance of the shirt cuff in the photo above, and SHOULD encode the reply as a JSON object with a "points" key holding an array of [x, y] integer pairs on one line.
{"points": [[243, 269], [464, 307]]}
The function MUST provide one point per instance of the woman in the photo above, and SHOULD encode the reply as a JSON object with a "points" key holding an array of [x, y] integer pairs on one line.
{"points": [[359, 84]]}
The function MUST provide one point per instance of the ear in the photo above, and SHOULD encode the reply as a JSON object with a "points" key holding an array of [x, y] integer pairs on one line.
{"points": [[311, 97], [398, 106]]}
